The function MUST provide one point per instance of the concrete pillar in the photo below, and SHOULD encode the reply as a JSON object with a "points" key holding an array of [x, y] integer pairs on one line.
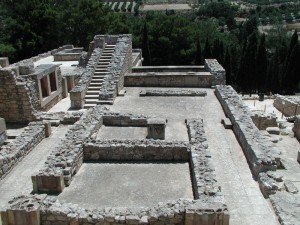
{"points": [[77, 99], [3, 136], [47, 125], [156, 128]]}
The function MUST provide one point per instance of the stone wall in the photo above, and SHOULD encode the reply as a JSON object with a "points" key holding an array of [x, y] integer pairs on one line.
{"points": [[202, 169], [156, 69], [263, 120], [146, 150], [19, 100], [120, 64], [41, 209], [216, 70], [296, 127], [3, 135], [63, 163], [174, 79], [288, 105], [260, 153], [13, 152], [77, 94]]}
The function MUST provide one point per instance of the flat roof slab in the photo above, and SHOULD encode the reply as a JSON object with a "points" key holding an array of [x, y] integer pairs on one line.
{"points": [[98, 185]]}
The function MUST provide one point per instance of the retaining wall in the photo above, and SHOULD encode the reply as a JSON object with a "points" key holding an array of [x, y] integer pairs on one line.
{"points": [[218, 72], [13, 152], [260, 153]]}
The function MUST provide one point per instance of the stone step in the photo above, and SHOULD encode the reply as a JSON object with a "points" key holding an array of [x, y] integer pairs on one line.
{"points": [[92, 101], [91, 88], [91, 96], [92, 92], [87, 106], [94, 84], [109, 46], [106, 102], [97, 80]]}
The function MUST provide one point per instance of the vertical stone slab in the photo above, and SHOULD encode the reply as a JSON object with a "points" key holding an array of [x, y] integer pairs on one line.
{"points": [[47, 125], [64, 87], [77, 99], [156, 128], [2, 131], [53, 183], [23, 210]]}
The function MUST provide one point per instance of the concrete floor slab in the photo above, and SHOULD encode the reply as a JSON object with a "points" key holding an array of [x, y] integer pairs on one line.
{"points": [[98, 185]]}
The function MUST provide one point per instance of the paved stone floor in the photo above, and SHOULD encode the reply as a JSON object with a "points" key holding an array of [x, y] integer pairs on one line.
{"points": [[107, 132], [128, 184], [18, 181]]}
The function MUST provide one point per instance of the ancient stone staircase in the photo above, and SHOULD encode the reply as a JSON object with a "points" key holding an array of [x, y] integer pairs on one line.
{"points": [[92, 94]]}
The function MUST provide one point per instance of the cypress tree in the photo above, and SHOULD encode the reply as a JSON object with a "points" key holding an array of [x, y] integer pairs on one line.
{"points": [[215, 49], [261, 65], [221, 53], [227, 66], [207, 50], [145, 47], [198, 58]]}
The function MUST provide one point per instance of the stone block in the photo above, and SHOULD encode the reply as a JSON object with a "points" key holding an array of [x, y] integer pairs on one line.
{"points": [[156, 128], [227, 123], [290, 187], [48, 183], [4, 62], [64, 88], [23, 210], [47, 125], [273, 130], [3, 135], [298, 158], [26, 68]]}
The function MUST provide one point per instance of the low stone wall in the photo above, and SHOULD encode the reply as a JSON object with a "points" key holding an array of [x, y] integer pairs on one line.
{"points": [[263, 120], [57, 118], [218, 72], [145, 69], [120, 64], [77, 94], [147, 150], [13, 152], [174, 79], [124, 119], [65, 161], [155, 92], [47, 210], [202, 169], [288, 105], [260, 153]]}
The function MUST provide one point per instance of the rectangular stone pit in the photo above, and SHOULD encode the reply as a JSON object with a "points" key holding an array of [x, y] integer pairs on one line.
{"points": [[115, 132], [129, 184]]}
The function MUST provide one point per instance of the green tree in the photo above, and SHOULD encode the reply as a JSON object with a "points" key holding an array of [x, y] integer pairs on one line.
{"points": [[145, 47], [261, 65], [207, 50], [198, 58]]}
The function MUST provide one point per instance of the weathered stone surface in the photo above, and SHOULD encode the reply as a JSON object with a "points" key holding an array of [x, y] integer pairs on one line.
{"points": [[156, 128], [260, 153], [273, 130], [11, 153], [287, 207], [135, 150], [154, 92], [218, 72], [290, 187], [296, 127], [2, 131], [270, 183], [288, 105], [263, 120]]}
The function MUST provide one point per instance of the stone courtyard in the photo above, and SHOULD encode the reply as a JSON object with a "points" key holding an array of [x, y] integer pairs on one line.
{"points": [[114, 142]]}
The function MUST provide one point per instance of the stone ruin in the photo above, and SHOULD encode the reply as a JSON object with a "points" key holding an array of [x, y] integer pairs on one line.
{"points": [[30, 90]]}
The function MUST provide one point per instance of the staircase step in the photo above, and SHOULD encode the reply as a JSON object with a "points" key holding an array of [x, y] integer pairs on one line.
{"points": [[87, 106], [92, 101], [97, 79], [91, 96], [93, 88], [106, 102], [92, 92], [96, 85]]}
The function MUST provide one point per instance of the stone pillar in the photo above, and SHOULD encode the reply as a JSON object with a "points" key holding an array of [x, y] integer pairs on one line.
{"points": [[77, 99], [47, 125], [2, 131], [4, 62], [23, 210], [64, 87], [26, 68], [156, 128], [218, 72]]}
